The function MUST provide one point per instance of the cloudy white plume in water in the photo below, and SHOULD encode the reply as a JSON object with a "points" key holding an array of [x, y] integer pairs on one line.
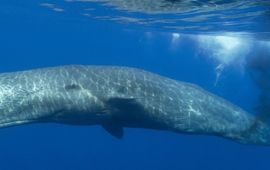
{"points": [[175, 38], [225, 50]]}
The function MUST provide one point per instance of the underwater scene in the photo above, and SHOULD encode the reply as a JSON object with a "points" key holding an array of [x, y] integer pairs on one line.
{"points": [[135, 84]]}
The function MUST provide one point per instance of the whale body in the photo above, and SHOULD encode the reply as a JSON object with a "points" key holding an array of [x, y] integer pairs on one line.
{"points": [[117, 97]]}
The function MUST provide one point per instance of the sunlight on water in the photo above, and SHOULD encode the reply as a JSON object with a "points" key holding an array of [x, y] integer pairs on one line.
{"points": [[225, 49], [171, 6], [185, 16]]}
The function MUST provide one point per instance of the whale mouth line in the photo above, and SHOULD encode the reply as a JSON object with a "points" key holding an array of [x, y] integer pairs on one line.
{"points": [[15, 123]]}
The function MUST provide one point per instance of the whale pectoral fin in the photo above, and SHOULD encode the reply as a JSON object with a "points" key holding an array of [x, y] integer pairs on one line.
{"points": [[121, 111], [120, 106], [114, 129], [121, 103]]}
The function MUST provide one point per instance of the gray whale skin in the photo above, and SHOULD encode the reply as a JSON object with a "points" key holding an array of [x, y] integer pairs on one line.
{"points": [[116, 97]]}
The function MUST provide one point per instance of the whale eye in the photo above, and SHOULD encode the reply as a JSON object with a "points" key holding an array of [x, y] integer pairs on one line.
{"points": [[72, 87]]}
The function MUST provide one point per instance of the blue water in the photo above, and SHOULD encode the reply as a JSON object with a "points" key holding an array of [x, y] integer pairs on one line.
{"points": [[33, 36]]}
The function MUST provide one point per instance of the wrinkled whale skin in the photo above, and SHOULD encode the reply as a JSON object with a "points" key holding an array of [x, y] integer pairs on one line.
{"points": [[116, 97]]}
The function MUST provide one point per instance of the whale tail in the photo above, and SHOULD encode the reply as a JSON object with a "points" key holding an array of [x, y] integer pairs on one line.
{"points": [[260, 129], [258, 134]]}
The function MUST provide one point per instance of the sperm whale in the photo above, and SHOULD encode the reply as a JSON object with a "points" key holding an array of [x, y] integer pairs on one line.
{"points": [[118, 97]]}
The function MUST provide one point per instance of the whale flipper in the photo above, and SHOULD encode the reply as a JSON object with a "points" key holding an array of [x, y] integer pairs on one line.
{"points": [[122, 104], [117, 109], [114, 129]]}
